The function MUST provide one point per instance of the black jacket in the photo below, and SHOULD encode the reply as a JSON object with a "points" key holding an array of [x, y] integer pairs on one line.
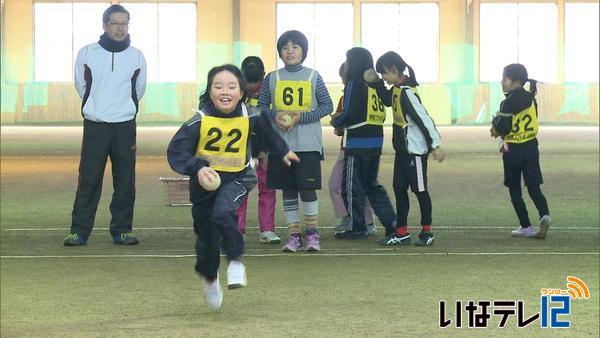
{"points": [[183, 146], [514, 103], [366, 139]]}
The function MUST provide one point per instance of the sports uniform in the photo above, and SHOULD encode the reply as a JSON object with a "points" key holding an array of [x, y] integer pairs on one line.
{"points": [[221, 141], [414, 137], [363, 118], [517, 120], [298, 88]]}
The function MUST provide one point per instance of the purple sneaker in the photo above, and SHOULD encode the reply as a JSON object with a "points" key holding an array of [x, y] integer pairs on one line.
{"points": [[294, 243], [312, 239]]}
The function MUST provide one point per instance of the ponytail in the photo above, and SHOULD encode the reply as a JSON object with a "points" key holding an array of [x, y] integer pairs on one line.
{"points": [[392, 59], [518, 72], [412, 79], [532, 86]]}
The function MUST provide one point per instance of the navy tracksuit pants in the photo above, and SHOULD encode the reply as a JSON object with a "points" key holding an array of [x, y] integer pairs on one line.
{"points": [[358, 184]]}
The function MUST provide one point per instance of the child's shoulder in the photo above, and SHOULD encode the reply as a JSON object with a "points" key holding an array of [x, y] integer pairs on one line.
{"points": [[408, 90], [194, 119], [410, 94], [303, 69]]}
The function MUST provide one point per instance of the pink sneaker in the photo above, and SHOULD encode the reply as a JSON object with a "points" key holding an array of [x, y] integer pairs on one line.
{"points": [[312, 239], [294, 243]]}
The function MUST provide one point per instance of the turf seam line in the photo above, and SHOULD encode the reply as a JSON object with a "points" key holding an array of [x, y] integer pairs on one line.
{"points": [[447, 227], [323, 255]]}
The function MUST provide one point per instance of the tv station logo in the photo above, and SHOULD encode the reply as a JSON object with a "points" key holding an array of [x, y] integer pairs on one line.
{"points": [[555, 308]]}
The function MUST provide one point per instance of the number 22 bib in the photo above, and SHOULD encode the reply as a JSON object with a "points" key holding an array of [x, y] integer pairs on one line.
{"points": [[223, 141]]}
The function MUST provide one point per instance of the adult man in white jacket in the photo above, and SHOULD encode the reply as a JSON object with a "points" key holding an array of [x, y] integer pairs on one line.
{"points": [[110, 77]]}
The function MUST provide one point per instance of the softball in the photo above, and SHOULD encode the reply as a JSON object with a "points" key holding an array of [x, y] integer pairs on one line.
{"points": [[286, 120], [212, 183]]}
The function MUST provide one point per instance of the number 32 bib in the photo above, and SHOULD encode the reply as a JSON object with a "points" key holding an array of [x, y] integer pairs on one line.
{"points": [[223, 141]]}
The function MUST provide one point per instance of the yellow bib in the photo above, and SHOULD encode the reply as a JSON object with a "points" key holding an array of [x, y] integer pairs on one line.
{"points": [[525, 126], [223, 141], [375, 108], [293, 95], [252, 102], [399, 118]]}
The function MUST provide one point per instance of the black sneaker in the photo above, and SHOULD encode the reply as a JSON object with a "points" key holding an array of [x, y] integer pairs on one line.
{"points": [[395, 240], [74, 239], [349, 234], [425, 238], [125, 238]]}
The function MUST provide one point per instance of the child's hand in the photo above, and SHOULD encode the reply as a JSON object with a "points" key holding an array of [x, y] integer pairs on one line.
{"points": [[282, 120], [370, 76], [438, 154], [286, 120], [339, 131], [206, 173], [334, 116], [289, 157], [208, 179], [295, 119], [493, 132]]}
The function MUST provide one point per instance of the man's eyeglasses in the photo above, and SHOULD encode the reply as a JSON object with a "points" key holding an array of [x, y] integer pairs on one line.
{"points": [[119, 24]]}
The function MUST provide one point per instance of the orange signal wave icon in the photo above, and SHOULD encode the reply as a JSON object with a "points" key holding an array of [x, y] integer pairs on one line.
{"points": [[577, 288]]}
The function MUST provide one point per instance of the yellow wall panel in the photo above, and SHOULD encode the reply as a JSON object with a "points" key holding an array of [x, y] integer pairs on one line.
{"points": [[229, 30]]}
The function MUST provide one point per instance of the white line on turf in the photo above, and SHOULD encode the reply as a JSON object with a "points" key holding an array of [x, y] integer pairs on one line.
{"points": [[444, 227], [324, 255], [35, 156]]}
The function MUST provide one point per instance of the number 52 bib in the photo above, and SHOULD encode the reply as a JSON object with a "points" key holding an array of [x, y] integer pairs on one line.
{"points": [[223, 141]]}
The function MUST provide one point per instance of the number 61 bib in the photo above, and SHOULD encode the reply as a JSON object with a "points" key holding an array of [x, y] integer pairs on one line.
{"points": [[293, 95], [223, 141]]}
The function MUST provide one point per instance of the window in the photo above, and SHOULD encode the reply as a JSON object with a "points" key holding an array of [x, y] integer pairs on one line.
{"points": [[328, 28], [411, 30], [166, 34], [581, 42], [60, 30], [526, 33]]}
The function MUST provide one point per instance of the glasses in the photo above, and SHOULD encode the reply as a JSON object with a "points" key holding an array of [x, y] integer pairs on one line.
{"points": [[119, 24]]}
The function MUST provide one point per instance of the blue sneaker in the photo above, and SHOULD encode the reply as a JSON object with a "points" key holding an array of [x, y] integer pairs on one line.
{"points": [[74, 239], [125, 238]]}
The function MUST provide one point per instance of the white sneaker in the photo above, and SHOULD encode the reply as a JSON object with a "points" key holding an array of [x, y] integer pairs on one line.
{"points": [[544, 225], [524, 232], [236, 275], [213, 294], [269, 237]]}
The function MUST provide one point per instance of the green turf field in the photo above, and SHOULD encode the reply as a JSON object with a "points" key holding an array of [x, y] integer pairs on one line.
{"points": [[349, 289]]}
